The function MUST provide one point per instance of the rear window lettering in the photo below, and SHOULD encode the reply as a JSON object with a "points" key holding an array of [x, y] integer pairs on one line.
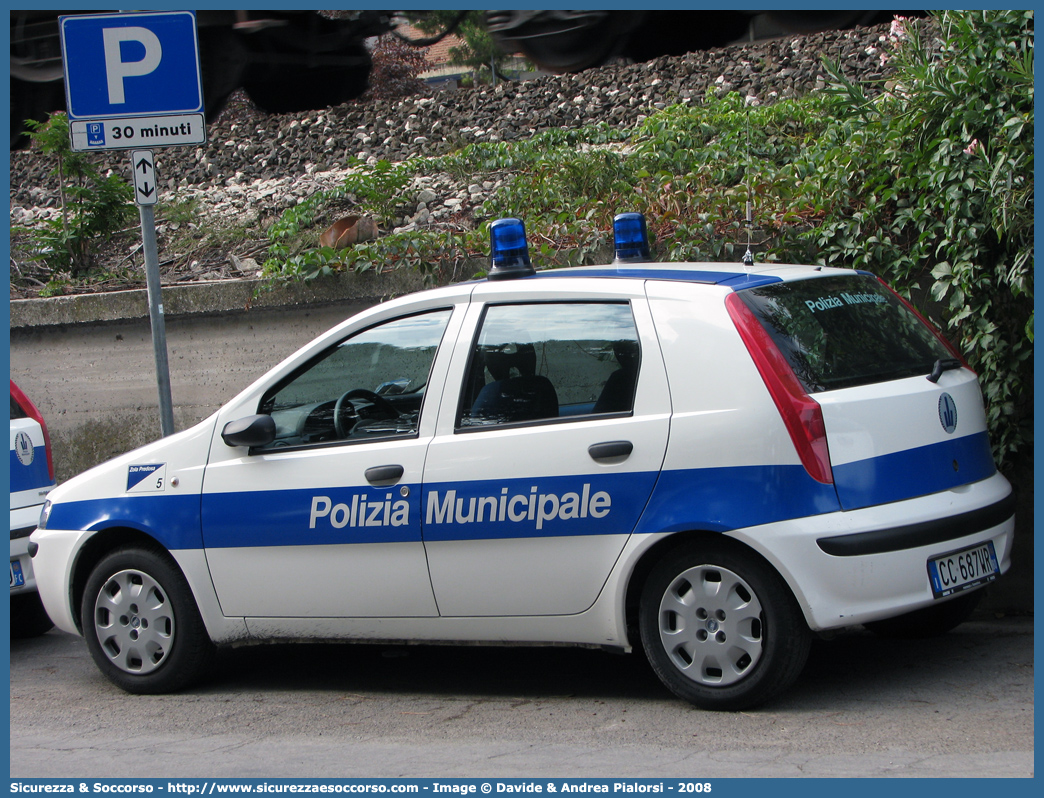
{"points": [[842, 299], [844, 331]]}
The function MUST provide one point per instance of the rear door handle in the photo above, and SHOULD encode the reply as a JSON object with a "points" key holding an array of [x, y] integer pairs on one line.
{"points": [[610, 450], [383, 476]]}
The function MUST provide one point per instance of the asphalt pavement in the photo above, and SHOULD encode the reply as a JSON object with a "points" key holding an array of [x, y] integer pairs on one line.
{"points": [[955, 706]]}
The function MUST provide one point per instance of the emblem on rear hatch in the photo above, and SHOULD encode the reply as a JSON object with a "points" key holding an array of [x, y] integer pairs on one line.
{"points": [[23, 447], [948, 413]]}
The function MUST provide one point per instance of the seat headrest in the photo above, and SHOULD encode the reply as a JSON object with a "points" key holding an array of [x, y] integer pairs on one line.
{"points": [[500, 360]]}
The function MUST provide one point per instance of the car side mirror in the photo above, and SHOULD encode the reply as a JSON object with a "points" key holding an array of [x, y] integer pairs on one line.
{"points": [[257, 430]]}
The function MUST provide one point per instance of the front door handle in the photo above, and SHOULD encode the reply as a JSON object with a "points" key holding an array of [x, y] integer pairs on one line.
{"points": [[383, 476], [610, 450]]}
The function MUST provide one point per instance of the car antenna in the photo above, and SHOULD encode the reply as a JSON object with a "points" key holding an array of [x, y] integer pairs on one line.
{"points": [[748, 256]]}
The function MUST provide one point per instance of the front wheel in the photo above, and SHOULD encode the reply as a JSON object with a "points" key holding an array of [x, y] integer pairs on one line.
{"points": [[141, 623], [720, 627]]}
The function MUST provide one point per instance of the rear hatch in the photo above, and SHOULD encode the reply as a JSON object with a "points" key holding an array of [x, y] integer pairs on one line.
{"points": [[903, 415], [32, 474]]}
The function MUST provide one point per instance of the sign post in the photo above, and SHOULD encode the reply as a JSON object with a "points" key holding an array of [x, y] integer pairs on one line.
{"points": [[132, 80], [145, 194]]}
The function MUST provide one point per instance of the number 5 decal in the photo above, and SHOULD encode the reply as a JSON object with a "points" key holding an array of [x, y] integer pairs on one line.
{"points": [[146, 478]]}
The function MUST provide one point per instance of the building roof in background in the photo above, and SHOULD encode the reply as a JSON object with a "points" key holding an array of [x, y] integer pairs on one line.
{"points": [[437, 54]]}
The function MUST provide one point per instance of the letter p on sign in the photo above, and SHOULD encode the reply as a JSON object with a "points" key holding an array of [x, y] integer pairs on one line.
{"points": [[116, 69]]}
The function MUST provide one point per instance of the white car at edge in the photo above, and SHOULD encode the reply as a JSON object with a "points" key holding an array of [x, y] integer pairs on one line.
{"points": [[32, 478]]}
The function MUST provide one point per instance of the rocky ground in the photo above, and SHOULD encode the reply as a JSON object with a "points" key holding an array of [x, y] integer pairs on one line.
{"points": [[256, 165]]}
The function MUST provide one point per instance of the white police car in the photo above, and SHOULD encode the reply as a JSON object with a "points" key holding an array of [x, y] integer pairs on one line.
{"points": [[709, 461], [32, 477]]}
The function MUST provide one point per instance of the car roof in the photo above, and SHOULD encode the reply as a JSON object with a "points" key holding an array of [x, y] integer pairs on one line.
{"points": [[733, 275]]}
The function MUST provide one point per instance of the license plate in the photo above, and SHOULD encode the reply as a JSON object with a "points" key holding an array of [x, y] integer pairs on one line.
{"points": [[963, 569], [17, 578]]}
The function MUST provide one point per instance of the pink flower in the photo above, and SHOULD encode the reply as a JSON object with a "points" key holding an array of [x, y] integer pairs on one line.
{"points": [[898, 28], [973, 148]]}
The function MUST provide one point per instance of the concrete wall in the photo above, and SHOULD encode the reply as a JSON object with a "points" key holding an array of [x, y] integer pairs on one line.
{"points": [[88, 364]]}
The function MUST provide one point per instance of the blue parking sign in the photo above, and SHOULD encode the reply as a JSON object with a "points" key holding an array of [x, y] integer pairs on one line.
{"points": [[131, 65]]}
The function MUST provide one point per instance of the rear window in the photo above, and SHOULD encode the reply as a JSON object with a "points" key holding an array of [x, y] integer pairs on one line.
{"points": [[839, 332], [17, 411]]}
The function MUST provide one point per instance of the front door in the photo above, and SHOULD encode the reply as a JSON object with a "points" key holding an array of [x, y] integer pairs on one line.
{"points": [[325, 520]]}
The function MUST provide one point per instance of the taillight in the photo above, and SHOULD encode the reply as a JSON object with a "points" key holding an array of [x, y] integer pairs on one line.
{"points": [[31, 410], [802, 415], [942, 339]]}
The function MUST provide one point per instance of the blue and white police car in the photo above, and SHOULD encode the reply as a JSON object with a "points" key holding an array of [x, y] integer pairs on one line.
{"points": [[710, 462], [32, 478]]}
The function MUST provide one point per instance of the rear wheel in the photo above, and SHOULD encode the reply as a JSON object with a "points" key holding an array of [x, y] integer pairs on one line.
{"points": [[141, 623], [720, 627], [931, 621]]}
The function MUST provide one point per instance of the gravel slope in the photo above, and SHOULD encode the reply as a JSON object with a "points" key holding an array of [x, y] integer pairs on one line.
{"points": [[255, 165]]}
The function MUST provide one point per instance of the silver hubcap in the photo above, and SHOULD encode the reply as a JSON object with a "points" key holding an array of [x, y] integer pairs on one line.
{"points": [[710, 625], [134, 622]]}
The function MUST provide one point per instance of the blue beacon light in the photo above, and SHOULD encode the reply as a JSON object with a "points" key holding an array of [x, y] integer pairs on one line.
{"points": [[509, 251], [631, 238]]}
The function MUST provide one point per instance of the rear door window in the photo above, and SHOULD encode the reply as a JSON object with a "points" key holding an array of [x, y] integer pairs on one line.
{"points": [[840, 332], [546, 361]]}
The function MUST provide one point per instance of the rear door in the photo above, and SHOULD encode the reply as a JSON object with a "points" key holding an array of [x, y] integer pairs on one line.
{"points": [[550, 437], [903, 416]]}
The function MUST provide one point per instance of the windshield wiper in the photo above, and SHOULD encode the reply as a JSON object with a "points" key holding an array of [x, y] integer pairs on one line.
{"points": [[941, 365]]}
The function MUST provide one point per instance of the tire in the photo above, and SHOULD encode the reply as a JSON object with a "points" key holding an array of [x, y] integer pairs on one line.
{"points": [[931, 621], [28, 616], [291, 88], [141, 623], [721, 628], [582, 48]]}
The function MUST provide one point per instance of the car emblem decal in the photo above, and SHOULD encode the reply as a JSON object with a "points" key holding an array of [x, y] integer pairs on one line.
{"points": [[24, 448], [948, 413]]}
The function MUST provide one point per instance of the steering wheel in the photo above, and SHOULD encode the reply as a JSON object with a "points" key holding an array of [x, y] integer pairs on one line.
{"points": [[380, 408]]}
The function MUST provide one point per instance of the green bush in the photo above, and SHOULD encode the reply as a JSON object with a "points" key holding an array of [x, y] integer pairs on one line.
{"points": [[93, 206]]}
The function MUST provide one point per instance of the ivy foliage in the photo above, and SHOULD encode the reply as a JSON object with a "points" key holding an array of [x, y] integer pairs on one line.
{"points": [[930, 185], [926, 181]]}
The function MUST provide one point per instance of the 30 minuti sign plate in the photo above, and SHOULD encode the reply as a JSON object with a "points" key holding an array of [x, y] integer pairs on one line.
{"points": [[133, 132]]}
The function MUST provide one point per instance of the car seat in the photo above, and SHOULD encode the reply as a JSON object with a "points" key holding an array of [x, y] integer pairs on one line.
{"points": [[617, 394], [517, 392]]}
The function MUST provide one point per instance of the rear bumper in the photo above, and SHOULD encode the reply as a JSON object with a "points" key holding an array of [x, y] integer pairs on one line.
{"points": [[848, 568], [925, 533]]}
